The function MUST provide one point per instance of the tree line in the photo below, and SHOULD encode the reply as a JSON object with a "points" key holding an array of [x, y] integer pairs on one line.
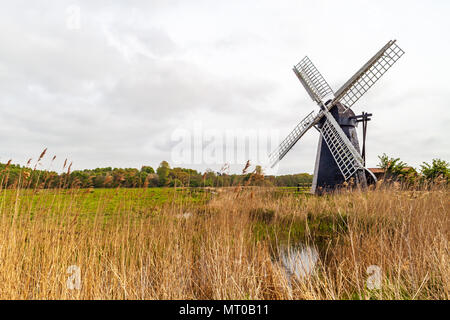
{"points": [[12, 176], [164, 176]]}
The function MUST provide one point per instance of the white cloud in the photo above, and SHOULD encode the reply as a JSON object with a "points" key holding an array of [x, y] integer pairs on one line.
{"points": [[112, 92]]}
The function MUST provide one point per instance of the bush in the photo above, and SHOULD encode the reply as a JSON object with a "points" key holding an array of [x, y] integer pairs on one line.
{"points": [[438, 168]]}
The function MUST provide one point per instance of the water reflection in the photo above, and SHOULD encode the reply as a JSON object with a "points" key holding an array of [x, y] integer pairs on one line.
{"points": [[298, 261]]}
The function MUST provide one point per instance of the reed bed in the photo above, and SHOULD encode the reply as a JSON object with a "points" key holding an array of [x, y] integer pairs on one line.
{"points": [[224, 247]]}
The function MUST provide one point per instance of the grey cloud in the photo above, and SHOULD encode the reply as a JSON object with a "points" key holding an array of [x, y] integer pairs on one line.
{"points": [[112, 92]]}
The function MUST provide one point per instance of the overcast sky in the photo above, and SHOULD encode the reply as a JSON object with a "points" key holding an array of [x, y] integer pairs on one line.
{"points": [[112, 87]]}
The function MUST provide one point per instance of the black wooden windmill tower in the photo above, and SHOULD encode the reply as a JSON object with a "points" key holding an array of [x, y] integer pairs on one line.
{"points": [[338, 157]]}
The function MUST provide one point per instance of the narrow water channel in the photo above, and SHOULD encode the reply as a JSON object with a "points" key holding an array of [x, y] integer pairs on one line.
{"points": [[298, 261]]}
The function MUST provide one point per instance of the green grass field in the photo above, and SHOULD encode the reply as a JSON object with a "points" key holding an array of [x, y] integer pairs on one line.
{"points": [[108, 202], [88, 202]]}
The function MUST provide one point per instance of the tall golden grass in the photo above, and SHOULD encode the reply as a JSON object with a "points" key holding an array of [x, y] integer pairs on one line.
{"points": [[210, 251]]}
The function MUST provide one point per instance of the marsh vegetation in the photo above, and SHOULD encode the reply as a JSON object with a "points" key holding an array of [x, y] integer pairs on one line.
{"points": [[226, 243]]}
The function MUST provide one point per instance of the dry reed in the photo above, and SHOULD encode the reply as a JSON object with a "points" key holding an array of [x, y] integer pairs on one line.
{"points": [[185, 251]]}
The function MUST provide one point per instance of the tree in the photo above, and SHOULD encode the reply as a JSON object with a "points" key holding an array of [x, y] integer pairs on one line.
{"points": [[175, 183], [153, 180], [208, 178], [438, 168], [393, 167], [163, 173], [147, 169]]}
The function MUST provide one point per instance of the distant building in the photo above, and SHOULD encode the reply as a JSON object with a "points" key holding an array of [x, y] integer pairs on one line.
{"points": [[379, 173]]}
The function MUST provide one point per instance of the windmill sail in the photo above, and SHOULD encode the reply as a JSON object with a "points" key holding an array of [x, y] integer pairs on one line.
{"points": [[315, 84], [344, 153], [292, 139], [366, 77]]}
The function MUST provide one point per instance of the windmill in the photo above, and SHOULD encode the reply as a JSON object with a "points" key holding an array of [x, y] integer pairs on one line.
{"points": [[338, 157]]}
